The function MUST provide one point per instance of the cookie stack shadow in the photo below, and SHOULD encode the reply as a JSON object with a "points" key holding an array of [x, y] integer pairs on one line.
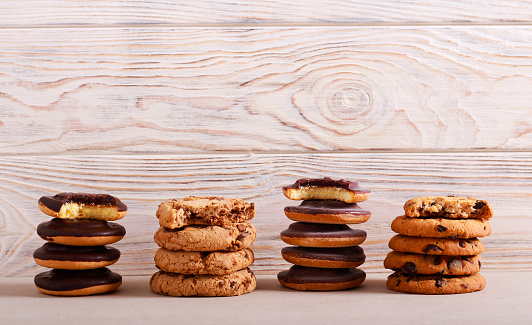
{"points": [[437, 250], [76, 244], [204, 247], [325, 250]]}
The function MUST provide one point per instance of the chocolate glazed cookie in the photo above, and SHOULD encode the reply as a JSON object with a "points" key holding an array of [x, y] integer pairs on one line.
{"points": [[326, 189], [77, 282], [83, 206], [330, 212], [80, 232], [65, 257], [342, 257], [322, 235], [320, 279]]}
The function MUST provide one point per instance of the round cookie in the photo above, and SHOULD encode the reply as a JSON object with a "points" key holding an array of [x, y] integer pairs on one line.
{"points": [[77, 282], [83, 206], [447, 207], [174, 284], [216, 263], [407, 263], [322, 235], [320, 279], [75, 232], [342, 257], [207, 238], [331, 212], [65, 257], [436, 246], [441, 228], [326, 189], [436, 284]]}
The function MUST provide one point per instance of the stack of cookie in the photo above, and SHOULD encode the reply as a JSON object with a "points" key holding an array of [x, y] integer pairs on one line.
{"points": [[204, 247], [76, 249], [326, 252], [437, 249]]}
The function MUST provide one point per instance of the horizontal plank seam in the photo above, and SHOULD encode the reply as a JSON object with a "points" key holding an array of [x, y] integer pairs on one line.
{"points": [[270, 24]]}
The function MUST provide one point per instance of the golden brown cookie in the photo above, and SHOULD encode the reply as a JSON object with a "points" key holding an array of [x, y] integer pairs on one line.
{"points": [[330, 212], [65, 257], [447, 207], [83, 206], [208, 210], [326, 189], [77, 282], [320, 279], [341, 257], [435, 284], [441, 228], [408, 263], [436, 246], [207, 238], [174, 284], [322, 235], [216, 263]]}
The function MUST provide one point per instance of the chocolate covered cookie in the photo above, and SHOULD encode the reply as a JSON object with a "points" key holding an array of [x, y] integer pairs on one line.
{"points": [[83, 206], [321, 279], [326, 189], [436, 246], [448, 207], [322, 235], [435, 284], [174, 284], [408, 263], [195, 210], [216, 263], [342, 257], [65, 257], [77, 232], [207, 238], [330, 212], [77, 282], [441, 228]]}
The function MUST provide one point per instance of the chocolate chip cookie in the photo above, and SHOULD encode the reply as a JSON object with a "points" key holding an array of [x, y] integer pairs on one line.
{"points": [[408, 263], [448, 207], [435, 284], [436, 246], [441, 228]]}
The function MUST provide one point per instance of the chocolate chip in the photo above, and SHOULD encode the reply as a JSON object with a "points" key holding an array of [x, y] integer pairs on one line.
{"points": [[440, 282], [246, 284], [220, 284], [242, 235], [479, 264], [454, 264], [232, 284], [464, 285], [431, 248], [240, 227], [479, 205], [436, 260], [398, 282], [441, 228], [462, 243], [246, 256], [466, 259], [410, 268]]}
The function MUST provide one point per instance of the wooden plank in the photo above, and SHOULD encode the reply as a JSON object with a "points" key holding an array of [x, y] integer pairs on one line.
{"points": [[143, 181], [267, 89], [55, 12]]}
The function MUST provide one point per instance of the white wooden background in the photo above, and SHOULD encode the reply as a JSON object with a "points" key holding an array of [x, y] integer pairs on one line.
{"points": [[151, 100]]}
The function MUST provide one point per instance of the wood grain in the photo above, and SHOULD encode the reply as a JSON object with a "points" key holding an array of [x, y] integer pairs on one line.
{"points": [[143, 181], [85, 12], [175, 90]]}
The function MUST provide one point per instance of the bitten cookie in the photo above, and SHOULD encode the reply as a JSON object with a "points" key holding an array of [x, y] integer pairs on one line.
{"points": [[216, 263], [436, 246], [436, 284], [322, 235], [320, 279], [77, 282], [326, 189], [407, 263], [343, 257], [195, 210], [174, 284], [83, 206], [331, 212], [207, 238], [441, 228], [76, 232], [448, 207], [65, 257]]}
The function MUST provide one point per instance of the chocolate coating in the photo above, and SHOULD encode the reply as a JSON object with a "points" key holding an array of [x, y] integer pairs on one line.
{"points": [[55, 202], [303, 274], [79, 228], [66, 280], [315, 207], [328, 182], [315, 230], [56, 252], [341, 254]]}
